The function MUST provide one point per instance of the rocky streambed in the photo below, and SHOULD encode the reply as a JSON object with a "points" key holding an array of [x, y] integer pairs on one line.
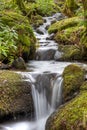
{"points": [[48, 83]]}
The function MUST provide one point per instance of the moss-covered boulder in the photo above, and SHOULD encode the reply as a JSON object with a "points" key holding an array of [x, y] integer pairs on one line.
{"points": [[15, 96], [69, 36], [71, 52], [63, 24], [72, 116], [73, 77]]}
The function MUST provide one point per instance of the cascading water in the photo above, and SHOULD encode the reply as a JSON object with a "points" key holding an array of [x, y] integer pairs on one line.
{"points": [[43, 107], [44, 77], [57, 93], [40, 102]]}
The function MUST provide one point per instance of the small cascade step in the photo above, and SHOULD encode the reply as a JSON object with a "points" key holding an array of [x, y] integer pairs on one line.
{"points": [[45, 40]]}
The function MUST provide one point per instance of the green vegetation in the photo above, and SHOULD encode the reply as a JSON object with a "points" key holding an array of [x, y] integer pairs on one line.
{"points": [[15, 19], [72, 116], [17, 40], [70, 7], [16, 36], [73, 77]]}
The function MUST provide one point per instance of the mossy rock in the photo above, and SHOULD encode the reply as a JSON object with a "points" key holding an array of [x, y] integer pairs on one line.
{"points": [[63, 24], [72, 116], [15, 96], [73, 77], [69, 36], [71, 52]]}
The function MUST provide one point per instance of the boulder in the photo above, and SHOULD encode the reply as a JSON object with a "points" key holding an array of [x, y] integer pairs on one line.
{"points": [[71, 116], [39, 31], [45, 54], [15, 97], [50, 37], [19, 63], [4, 66], [58, 55], [73, 77]]}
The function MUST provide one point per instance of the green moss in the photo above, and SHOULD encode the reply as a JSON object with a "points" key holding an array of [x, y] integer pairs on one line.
{"points": [[63, 24], [72, 115], [71, 52], [9, 89], [84, 86], [73, 76], [69, 35]]}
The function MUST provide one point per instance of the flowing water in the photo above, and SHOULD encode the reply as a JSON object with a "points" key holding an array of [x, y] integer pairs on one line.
{"points": [[44, 74]]}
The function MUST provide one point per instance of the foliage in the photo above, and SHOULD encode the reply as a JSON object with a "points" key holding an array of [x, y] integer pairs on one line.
{"points": [[16, 34], [45, 6], [8, 39]]}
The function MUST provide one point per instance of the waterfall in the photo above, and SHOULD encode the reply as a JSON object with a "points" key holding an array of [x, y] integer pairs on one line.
{"points": [[57, 93], [41, 103]]}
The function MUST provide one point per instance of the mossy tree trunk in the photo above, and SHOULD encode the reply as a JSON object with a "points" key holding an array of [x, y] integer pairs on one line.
{"points": [[70, 7]]}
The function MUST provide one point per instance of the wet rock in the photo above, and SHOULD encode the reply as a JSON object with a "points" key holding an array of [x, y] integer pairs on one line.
{"points": [[59, 16], [47, 27], [45, 20], [58, 55], [4, 66], [44, 83], [50, 37], [38, 30], [45, 54], [19, 63], [53, 21]]}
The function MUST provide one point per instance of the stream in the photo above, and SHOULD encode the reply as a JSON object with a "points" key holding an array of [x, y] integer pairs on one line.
{"points": [[44, 74]]}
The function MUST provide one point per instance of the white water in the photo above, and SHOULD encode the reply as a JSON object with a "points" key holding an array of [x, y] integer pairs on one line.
{"points": [[57, 93]]}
